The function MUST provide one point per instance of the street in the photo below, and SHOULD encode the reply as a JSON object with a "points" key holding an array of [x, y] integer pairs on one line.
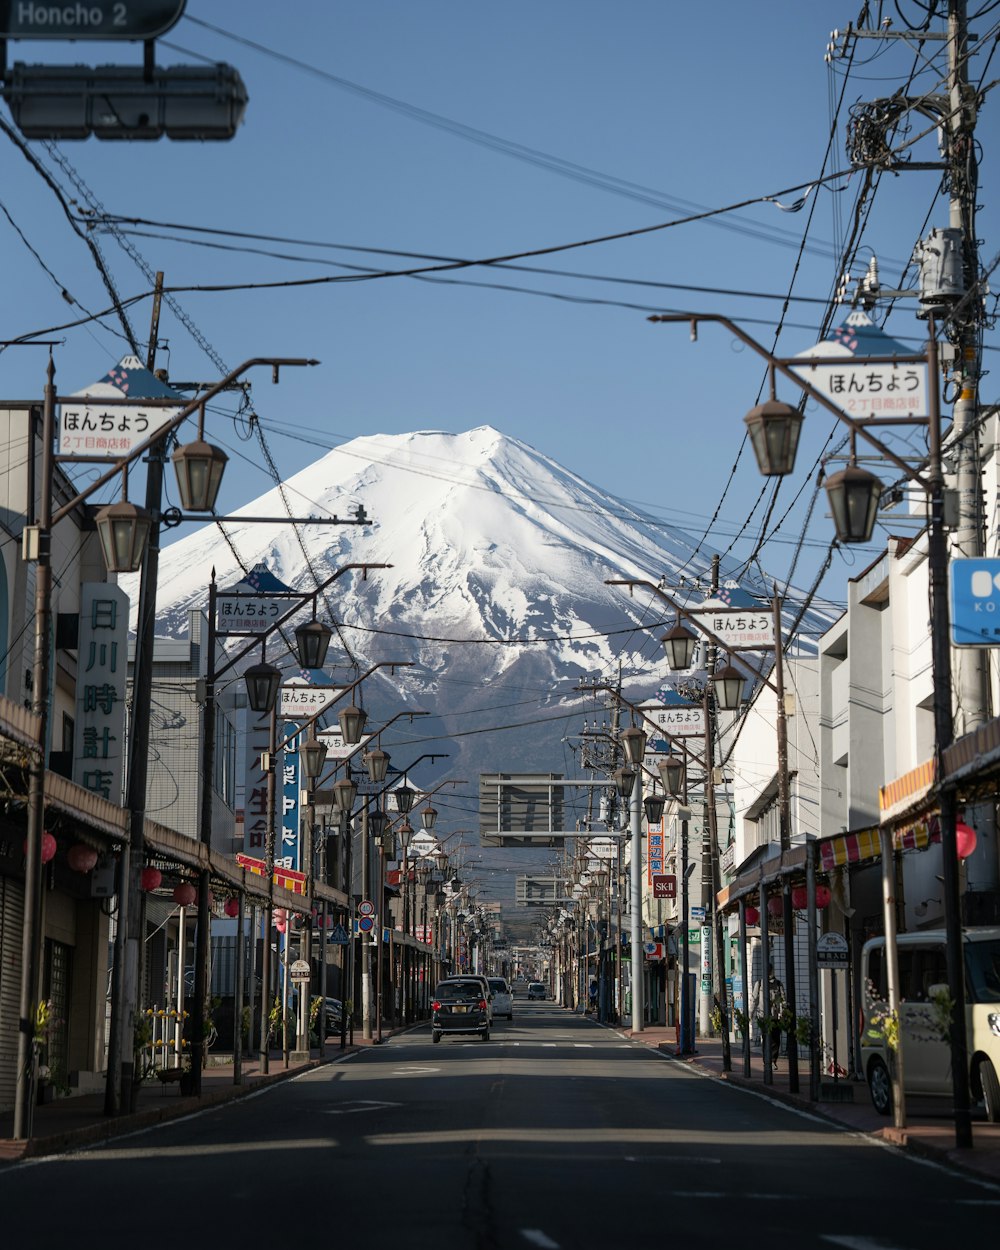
{"points": [[555, 1133]]}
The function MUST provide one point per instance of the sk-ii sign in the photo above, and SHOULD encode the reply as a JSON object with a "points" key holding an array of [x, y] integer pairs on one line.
{"points": [[975, 602]]}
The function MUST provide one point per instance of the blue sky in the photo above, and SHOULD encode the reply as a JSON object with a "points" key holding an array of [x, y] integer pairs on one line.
{"points": [[696, 107]]}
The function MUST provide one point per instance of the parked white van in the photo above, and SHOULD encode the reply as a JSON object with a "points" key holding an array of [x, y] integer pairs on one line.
{"points": [[923, 984]]}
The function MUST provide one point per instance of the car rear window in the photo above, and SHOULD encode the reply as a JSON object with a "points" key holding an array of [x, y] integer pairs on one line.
{"points": [[498, 985], [450, 990]]}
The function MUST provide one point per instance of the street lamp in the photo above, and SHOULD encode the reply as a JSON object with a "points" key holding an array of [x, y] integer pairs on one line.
{"points": [[634, 742], [199, 467], [312, 641], [122, 528], [352, 723], [429, 817], [624, 779], [774, 430], [263, 681], [312, 754], [679, 644], [654, 805], [672, 774], [728, 683], [377, 763], [404, 796], [853, 496]]}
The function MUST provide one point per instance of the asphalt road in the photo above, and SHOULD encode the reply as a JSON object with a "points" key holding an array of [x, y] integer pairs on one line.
{"points": [[556, 1133]]}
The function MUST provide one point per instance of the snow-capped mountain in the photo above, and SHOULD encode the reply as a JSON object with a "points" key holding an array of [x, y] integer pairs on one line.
{"points": [[496, 594]]}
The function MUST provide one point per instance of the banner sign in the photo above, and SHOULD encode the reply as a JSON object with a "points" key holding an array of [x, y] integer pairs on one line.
{"points": [[290, 849], [678, 720], [98, 746], [299, 700]]}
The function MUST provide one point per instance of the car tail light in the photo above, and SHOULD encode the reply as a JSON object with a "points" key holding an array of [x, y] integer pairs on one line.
{"points": [[435, 1006], [482, 1004]]}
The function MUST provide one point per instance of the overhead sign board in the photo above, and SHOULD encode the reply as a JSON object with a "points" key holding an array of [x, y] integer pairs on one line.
{"points": [[88, 19], [297, 700], [336, 747], [975, 602], [739, 629], [108, 430], [678, 720]]}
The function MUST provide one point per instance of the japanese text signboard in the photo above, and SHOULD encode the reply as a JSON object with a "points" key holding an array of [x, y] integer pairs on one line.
{"points": [[678, 720], [665, 886], [112, 430], [739, 629], [299, 700], [240, 612], [288, 791], [98, 748]]}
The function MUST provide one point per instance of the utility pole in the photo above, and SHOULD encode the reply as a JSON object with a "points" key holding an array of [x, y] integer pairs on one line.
{"points": [[709, 846], [967, 537]]}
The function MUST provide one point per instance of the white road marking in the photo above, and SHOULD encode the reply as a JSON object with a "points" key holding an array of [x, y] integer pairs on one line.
{"points": [[411, 1070], [538, 1238], [350, 1108], [583, 1045]]}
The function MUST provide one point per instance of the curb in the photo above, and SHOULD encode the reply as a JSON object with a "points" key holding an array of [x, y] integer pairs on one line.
{"points": [[120, 1126]]}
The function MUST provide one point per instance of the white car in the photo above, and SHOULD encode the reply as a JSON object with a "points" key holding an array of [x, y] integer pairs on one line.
{"points": [[503, 999]]}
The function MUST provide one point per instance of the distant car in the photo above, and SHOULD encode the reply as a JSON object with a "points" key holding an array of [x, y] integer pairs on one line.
{"points": [[460, 1006], [483, 981], [537, 990], [503, 998]]}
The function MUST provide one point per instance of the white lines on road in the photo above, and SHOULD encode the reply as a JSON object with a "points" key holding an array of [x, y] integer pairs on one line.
{"points": [[674, 1159], [361, 1104], [538, 1238], [412, 1070], [583, 1045]]}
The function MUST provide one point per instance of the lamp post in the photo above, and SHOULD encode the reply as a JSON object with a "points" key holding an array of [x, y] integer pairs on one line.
{"points": [[853, 495], [634, 742], [120, 529]]}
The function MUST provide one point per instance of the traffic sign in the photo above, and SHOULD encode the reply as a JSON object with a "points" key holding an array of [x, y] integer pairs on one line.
{"points": [[366, 924], [831, 951], [339, 935], [366, 908], [975, 602], [697, 913], [300, 970], [89, 19]]}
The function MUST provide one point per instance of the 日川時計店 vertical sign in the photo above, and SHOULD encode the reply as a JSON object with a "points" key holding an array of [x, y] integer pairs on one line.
{"points": [[99, 733]]}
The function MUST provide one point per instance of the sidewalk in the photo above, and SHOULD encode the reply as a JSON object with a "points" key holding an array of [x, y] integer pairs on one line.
{"points": [[930, 1129], [66, 1123]]}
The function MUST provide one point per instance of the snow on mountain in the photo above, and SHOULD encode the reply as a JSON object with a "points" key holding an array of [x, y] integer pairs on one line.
{"points": [[488, 539], [496, 594]]}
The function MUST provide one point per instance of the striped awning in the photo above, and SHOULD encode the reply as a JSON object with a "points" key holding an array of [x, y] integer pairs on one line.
{"points": [[849, 848], [906, 794]]}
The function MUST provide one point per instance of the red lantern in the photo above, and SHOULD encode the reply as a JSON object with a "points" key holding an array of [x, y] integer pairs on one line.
{"points": [[81, 858], [185, 894], [232, 907], [150, 878], [775, 905], [823, 896], [965, 839], [752, 915], [49, 847], [800, 898], [280, 919]]}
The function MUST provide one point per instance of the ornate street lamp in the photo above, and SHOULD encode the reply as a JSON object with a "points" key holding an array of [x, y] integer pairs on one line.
{"points": [[624, 779], [672, 774], [728, 683], [312, 641], [122, 528], [428, 817], [679, 644], [312, 753], [405, 832], [377, 821], [441, 860], [344, 794], [854, 496], [634, 742], [404, 799], [774, 430], [654, 805], [263, 681], [377, 763], [199, 467], [352, 723]]}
